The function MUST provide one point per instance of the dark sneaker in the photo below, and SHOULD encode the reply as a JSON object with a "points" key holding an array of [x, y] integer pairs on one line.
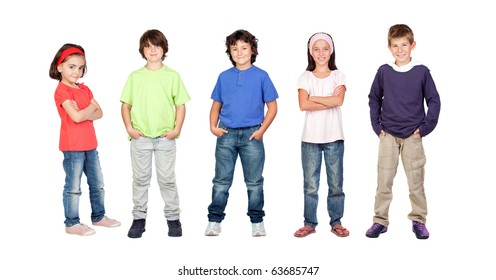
{"points": [[420, 230], [375, 230], [137, 228], [175, 229]]}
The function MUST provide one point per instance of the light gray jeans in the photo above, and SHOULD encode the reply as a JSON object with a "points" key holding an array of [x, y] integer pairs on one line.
{"points": [[413, 158], [142, 152]]}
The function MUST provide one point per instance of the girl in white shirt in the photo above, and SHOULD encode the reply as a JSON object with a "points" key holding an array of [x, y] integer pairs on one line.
{"points": [[321, 91]]}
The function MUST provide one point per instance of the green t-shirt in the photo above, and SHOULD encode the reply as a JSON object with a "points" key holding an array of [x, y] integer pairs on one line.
{"points": [[153, 96]]}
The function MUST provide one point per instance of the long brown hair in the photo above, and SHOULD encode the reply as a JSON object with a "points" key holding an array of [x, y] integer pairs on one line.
{"points": [[311, 61]]}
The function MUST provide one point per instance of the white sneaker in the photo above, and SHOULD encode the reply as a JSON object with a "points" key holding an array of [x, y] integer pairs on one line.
{"points": [[257, 229], [213, 229]]}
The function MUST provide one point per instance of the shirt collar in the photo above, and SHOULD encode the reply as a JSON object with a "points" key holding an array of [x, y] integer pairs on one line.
{"points": [[406, 67]]}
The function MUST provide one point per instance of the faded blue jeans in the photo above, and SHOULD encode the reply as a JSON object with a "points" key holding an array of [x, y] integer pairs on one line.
{"points": [[252, 154], [311, 159], [75, 164]]}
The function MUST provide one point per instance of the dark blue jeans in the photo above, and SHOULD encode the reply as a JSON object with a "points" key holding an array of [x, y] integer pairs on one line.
{"points": [[252, 155]]}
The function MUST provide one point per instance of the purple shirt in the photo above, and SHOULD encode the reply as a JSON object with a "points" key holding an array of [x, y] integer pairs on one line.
{"points": [[396, 101]]}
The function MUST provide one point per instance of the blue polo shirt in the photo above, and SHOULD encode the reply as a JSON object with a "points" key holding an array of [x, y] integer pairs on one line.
{"points": [[243, 94]]}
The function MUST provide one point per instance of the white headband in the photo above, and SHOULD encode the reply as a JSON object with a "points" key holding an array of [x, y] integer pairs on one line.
{"points": [[320, 36]]}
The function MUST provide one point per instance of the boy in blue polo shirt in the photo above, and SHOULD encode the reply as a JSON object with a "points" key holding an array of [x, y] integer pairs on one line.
{"points": [[237, 120]]}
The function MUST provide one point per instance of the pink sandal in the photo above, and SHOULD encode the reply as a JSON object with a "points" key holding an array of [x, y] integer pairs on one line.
{"points": [[340, 231], [304, 231]]}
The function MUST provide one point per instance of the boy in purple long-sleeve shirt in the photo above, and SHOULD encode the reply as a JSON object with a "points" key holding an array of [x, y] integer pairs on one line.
{"points": [[399, 118]]}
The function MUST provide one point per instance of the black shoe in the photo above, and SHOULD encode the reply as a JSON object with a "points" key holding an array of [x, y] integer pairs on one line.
{"points": [[137, 228], [175, 229]]}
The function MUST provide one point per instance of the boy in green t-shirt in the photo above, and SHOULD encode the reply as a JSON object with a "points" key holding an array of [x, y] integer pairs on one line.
{"points": [[153, 111]]}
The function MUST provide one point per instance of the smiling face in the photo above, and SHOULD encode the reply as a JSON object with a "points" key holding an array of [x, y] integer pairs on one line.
{"points": [[401, 49], [72, 69], [321, 52], [153, 54], [241, 54]]}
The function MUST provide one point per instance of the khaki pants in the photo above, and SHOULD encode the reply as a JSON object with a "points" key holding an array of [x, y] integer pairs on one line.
{"points": [[413, 159]]}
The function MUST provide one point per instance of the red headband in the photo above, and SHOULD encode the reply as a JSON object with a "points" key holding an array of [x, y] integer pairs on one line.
{"points": [[68, 52]]}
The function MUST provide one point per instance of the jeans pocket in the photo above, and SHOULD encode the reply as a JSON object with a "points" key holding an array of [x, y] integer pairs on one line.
{"points": [[222, 125]]}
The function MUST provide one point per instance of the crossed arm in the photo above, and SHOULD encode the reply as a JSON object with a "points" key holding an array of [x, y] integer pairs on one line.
{"points": [[313, 103], [90, 113]]}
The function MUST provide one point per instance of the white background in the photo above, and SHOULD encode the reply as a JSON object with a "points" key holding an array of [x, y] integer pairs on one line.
{"points": [[455, 40]]}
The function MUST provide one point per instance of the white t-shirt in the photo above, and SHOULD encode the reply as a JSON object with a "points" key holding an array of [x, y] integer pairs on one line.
{"points": [[322, 126]]}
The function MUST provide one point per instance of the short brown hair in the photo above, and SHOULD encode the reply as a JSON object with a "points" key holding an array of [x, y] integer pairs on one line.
{"points": [[400, 31], [246, 37], [156, 38]]}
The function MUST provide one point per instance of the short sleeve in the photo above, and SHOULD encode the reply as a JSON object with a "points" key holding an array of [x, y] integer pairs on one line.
{"points": [[126, 96], [302, 82], [88, 91], [339, 78], [180, 92], [216, 92], [61, 95]]}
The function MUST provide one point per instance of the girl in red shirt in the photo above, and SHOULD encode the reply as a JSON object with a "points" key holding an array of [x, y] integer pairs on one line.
{"points": [[77, 110]]}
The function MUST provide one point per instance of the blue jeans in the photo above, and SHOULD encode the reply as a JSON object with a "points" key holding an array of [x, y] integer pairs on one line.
{"points": [[311, 159], [75, 163], [252, 154]]}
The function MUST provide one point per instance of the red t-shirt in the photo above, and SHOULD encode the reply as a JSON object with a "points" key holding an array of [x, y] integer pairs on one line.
{"points": [[75, 136]]}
